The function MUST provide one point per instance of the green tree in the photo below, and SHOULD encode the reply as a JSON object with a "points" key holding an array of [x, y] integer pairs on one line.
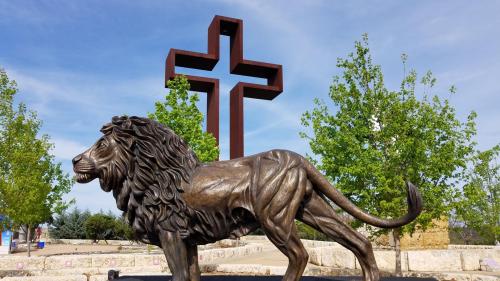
{"points": [[122, 230], [180, 113], [100, 227], [478, 208], [69, 225], [377, 139], [31, 183]]}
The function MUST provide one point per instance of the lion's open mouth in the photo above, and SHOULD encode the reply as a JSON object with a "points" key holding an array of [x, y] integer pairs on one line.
{"points": [[84, 177]]}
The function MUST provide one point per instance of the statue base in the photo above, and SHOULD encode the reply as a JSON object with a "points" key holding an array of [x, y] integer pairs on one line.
{"points": [[269, 278]]}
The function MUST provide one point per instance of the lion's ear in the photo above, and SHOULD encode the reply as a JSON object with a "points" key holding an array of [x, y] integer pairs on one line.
{"points": [[106, 128]]}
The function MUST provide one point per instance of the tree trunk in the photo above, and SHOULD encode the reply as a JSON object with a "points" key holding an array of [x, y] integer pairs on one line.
{"points": [[396, 235], [28, 240]]}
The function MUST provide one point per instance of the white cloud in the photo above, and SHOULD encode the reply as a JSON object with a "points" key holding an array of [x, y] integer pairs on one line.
{"points": [[90, 196], [47, 91], [67, 149]]}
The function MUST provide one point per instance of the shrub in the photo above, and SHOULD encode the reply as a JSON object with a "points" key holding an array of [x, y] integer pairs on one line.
{"points": [[100, 227], [123, 231], [106, 226], [69, 225]]}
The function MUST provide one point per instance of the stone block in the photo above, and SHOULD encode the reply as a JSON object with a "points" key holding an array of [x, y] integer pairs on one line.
{"points": [[68, 271], [496, 253], [386, 260], [47, 278], [334, 257], [113, 261], [204, 257], [471, 257], [208, 268], [22, 263], [275, 270], [453, 276], [68, 262], [73, 241], [98, 278], [313, 271], [434, 260], [154, 261], [314, 255], [135, 270], [489, 264], [252, 269], [217, 254], [482, 277], [230, 252]]}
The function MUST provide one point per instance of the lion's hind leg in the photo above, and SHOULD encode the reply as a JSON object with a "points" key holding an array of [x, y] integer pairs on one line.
{"points": [[290, 245], [320, 215], [277, 210]]}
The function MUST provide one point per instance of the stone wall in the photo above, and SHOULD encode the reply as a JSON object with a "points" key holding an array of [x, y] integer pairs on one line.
{"points": [[422, 260], [436, 237], [99, 264], [328, 257]]}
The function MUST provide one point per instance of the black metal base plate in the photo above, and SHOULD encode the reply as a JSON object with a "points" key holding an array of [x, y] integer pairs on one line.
{"points": [[270, 278]]}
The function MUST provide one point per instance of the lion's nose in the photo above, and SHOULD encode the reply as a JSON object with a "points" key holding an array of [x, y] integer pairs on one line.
{"points": [[76, 159]]}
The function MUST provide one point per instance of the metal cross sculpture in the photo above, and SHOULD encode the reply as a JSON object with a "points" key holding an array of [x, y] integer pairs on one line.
{"points": [[238, 65]]}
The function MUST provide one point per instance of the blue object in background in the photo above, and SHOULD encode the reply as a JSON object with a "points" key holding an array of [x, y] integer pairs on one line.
{"points": [[6, 237]]}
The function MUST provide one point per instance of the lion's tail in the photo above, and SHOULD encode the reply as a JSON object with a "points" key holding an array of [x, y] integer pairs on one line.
{"points": [[321, 184]]}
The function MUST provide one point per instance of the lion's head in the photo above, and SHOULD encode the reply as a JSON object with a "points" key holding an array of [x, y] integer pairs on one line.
{"points": [[143, 162]]}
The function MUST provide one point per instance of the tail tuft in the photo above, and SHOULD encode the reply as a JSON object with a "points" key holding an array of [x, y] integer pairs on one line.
{"points": [[414, 200]]}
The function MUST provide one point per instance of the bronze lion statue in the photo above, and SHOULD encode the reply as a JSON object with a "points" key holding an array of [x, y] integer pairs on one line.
{"points": [[175, 202]]}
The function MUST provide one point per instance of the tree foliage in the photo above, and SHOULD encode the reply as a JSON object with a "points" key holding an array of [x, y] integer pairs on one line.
{"points": [[100, 227], [379, 138], [31, 182], [478, 209], [122, 230], [69, 225], [82, 225], [106, 226], [180, 113]]}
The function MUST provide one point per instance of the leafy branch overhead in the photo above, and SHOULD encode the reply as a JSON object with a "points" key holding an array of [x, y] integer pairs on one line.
{"points": [[180, 113]]}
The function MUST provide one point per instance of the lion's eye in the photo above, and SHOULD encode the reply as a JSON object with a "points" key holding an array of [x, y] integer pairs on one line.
{"points": [[103, 144]]}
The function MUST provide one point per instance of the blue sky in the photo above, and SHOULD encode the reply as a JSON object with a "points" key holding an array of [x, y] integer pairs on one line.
{"points": [[78, 63]]}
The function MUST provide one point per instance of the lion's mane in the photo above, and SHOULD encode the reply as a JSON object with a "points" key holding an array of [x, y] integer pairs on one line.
{"points": [[154, 161]]}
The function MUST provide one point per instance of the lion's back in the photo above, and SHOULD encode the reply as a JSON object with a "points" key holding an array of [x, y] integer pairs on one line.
{"points": [[238, 182]]}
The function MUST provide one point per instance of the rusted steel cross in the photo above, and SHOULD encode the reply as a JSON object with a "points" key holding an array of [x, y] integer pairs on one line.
{"points": [[238, 65]]}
